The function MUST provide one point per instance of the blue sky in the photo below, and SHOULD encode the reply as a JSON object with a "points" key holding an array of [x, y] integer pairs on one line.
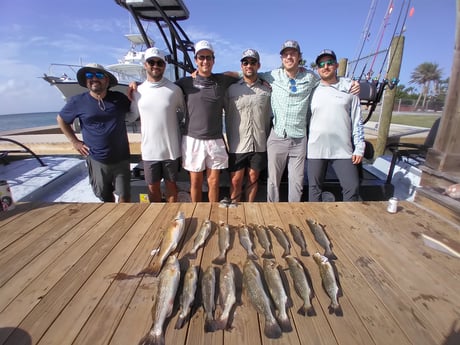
{"points": [[34, 34]]}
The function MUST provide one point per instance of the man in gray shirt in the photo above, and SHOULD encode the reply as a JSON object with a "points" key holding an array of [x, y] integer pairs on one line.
{"points": [[247, 123]]}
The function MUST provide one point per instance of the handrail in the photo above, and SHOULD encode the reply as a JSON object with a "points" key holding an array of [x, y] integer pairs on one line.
{"points": [[25, 148]]}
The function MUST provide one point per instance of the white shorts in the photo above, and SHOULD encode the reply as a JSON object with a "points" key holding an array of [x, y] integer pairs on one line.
{"points": [[198, 154]]}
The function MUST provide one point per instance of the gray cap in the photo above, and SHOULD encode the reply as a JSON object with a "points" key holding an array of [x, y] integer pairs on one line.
{"points": [[95, 67], [290, 44], [250, 53], [326, 52]]}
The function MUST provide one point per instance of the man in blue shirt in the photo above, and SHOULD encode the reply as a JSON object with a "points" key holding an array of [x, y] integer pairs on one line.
{"points": [[105, 145]]}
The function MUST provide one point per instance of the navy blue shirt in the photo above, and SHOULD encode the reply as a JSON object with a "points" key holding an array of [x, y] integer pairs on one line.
{"points": [[103, 130]]}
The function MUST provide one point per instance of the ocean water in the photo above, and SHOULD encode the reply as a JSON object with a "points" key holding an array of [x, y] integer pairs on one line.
{"points": [[27, 120]]}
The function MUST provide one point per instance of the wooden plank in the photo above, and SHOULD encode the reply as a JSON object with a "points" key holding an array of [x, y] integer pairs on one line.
{"points": [[103, 299], [27, 286], [20, 253], [137, 317], [43, 315], [377, 321], [246, 322], [24, 218], [354, 240]]}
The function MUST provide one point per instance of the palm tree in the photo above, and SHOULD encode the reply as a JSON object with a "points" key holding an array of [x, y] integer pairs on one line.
{"points": [[424, 75]]}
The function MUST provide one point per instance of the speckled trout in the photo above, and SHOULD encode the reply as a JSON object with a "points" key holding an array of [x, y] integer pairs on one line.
{"points": [[329, 282]]}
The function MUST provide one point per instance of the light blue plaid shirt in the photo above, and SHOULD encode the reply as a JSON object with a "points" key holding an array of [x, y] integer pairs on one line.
{"points": [[290, 100]]}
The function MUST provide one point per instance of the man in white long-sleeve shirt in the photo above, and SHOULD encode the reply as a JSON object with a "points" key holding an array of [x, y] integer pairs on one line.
{"points": [[160, 104], [336, 133]]}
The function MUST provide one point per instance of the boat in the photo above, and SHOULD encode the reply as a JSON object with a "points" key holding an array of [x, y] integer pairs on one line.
{"points": [[129, 68]]}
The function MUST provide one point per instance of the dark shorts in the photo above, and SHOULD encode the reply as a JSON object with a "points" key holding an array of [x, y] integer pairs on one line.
{"points": [[255, 160], [107, 179], [154, 171]]}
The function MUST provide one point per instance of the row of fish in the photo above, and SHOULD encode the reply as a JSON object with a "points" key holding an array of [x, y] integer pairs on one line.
{"points": [[174, 233], [253, 282]]}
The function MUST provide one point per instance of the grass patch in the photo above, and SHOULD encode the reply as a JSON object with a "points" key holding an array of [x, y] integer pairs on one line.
{"points": [[425, 121]]}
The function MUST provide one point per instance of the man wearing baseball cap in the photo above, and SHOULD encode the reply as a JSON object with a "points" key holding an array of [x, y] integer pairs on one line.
{"points": [[287, 143], [160, 105], [247, 123], [203, 147], [102, 114], [336, 134]]}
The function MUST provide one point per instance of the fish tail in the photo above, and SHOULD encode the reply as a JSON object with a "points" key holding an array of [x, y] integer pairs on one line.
{"points": [[219, 260], [304, 252], [285, 324], [221, 324], [267, 254], [272, 330], [286, 253], [330, 254], [253, 256], [210, 325], [335, 308], [192, 253], [311, 311], [180, 322], [153, 339], [152, 270]]}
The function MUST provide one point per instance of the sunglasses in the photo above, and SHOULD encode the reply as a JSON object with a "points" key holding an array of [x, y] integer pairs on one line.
{"points": [[249, 62], [205, 57], [323, 64], [159, 63], [293, 86], [90, 75]]}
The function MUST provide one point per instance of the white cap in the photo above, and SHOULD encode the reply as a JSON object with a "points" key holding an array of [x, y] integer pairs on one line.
{"points": [[202, 45], [154, 52]]}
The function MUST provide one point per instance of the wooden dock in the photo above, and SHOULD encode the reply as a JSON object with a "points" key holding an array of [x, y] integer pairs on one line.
{"points": [[68, 274]]}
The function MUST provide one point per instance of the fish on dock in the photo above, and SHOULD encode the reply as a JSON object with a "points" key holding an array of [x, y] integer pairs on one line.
{"points": [[208, 290], [187, 296], [246, 242], [299, 238], [171, 238], [252, 281], [276, 288], [321, 237], [164, 301], [282, 239], [301, 285], [223, 241], [201, 237], [227, 295], [329, 283], [264, 240]]}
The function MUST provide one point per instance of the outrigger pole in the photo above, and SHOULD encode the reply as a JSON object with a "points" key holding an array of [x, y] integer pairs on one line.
{"points": [[167, 14]]}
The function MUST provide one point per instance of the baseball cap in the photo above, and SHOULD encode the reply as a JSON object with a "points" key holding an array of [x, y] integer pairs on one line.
{"points": [[154, 52], [325, 52], [290, 44], [201, 45], [250, 53]]}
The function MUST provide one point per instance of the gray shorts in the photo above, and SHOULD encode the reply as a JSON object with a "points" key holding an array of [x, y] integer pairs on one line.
{"points": [[107, 179], [154, 171]]}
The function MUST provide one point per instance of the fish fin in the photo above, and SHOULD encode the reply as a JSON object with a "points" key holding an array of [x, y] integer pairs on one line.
{"points": [[210, 325], [272, 330], [151, 339], [304, 252], [335, 309], [285, 325]]}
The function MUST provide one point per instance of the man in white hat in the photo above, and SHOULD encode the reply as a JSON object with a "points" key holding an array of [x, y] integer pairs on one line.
{"points": [[203, 147], [102, 115], [160, 104]]}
